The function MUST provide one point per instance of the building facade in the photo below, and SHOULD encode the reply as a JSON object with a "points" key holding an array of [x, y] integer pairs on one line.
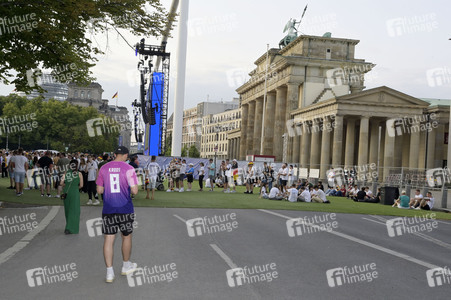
{"points": [[318, 115], [193, 121], [215, 131], [91, 96]]}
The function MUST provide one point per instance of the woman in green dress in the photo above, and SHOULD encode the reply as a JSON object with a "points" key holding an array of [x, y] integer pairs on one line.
{"points": [[72, 181]]}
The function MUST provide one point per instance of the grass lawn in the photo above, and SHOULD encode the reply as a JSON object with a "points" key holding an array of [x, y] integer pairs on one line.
{"points": [[217, 199]]}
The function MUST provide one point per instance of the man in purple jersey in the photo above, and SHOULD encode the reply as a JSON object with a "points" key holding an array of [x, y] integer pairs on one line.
{"points": [[116, 181]]}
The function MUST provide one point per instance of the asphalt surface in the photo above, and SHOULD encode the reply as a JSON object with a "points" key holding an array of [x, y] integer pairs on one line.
{"points": [[290, 267]]}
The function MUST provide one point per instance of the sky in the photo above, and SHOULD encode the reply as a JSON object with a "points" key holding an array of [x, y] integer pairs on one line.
{"points": [[407, 40]]}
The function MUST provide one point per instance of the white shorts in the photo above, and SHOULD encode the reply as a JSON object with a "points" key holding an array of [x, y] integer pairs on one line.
{"points": [[152, 183]]}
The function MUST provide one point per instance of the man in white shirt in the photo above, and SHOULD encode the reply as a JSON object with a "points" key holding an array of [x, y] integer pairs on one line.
{"points": [[305, 195], [319, 197], [20, 165], [275, 193], [416, 200], [152, 171], [283, 177], [182, 175], [292, 193], [427, 203]]}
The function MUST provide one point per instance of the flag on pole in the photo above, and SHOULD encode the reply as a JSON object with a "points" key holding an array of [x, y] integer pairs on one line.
{"points": [[115, 96]]}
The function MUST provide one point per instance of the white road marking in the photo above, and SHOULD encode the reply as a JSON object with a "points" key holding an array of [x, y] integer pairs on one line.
{"points": [[418, 234], [180, 218], [10, 252], [365, 243], [224, 256], [374, 221]]}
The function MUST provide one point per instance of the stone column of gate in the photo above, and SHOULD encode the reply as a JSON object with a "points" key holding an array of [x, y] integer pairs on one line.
{"points": [[305, 143], [244, 119], [258, 125], [299, 133], [382, 152], [363, 146], [268, 138], [296, 144], [315, 153], [230, 148], [337, 146], [250, 129], [374, 148], [439, 145], [414, 153], [389, 152], [279, 123], [431, 149], [292, 104], [325, 149], [350, 144], [237, 146]]}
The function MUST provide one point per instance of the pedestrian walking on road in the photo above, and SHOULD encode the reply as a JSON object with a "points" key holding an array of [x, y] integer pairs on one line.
{"points": [[72, 181], [116, 181]]}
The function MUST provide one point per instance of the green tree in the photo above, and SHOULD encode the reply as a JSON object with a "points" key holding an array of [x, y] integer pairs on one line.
{"points": [[185, 151], [193, 152], [58, 122], [168, 146], [56, 35]]}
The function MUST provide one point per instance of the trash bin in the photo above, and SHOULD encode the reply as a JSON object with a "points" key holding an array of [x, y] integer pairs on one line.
{"points": [[389, 194]]}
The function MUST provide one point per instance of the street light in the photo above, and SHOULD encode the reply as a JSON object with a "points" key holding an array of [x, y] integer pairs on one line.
{"points": [[217, 129]]}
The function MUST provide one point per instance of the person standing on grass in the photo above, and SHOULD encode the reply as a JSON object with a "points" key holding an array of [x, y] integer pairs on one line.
{"points": [[182, 175], [152, 171], [45, 164], [250, 178], [116, 181], [92, 169], [72, 181], [234, 175], [20, 165], [9, 161], [190, 177], [201, 177], [211, 174]]}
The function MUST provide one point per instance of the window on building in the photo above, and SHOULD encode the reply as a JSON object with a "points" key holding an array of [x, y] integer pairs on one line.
{"points": [[82, 94], [88, 95]]}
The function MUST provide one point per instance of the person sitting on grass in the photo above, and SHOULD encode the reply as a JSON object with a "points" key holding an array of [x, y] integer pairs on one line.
{"points": [[305, 195], [416, 200], [218, 181], [329, 191], [292, 193], [427, 203], [275, 193], [352, 193], [360, 197], [263, 192], [403, 201], [320, 196]]}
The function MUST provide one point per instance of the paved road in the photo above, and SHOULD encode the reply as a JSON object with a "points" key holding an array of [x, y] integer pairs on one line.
{"points": [[279, 266]]}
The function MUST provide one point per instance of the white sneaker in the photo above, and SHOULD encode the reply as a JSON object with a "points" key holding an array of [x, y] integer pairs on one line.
{"points": [[417, 208], [130, 269], [176, 190], [181, 190], [109, 277], [89, 202], [233, 191], [57, 196], [97, 202], [168, 191], [188, 190], [27, 189]]}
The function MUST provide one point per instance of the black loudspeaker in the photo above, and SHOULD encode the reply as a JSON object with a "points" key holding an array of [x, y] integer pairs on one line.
{"points": [[152, 120], [389, 194]]}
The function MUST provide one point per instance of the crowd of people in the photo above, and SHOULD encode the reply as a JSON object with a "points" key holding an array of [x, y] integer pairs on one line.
{"points": [[44, 170]]}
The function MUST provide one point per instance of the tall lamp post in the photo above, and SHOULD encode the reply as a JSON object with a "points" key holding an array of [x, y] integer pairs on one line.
{"points": [[217, 129]]}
